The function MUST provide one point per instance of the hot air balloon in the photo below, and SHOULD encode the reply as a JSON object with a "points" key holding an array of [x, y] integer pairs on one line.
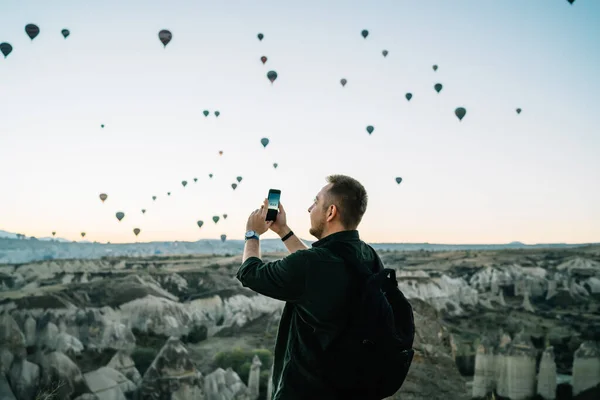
{"points": [[343, 81], [223, 238], [6, 49], [195, 180], [365, 33], [215, 219], [205, 112], [518, 111], [275, 165], [210, 175], [225, 216], [217, 113], [460, 113], [102, 126], [136, 231], [120, 215], [165, 37], [438, 87], [260, 36], [385, 53], [234, 185], [571, 1], [264, 141], [272, 75], [200, 223], [65, 33], [32, 30], [143, 211], [168, 193], [435, 67], [82, 234], [408, 96], [370, 129], [154, 198], [263, 59], [239, 179], [398, 180], [53, 233], [103, 196], [184, 183]]}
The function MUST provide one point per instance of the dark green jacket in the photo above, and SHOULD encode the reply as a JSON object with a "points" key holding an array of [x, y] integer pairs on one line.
{"points": [[316, 286]]}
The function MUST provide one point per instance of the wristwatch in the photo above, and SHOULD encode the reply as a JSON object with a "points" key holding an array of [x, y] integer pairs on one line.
{"points": [[251, 235]]}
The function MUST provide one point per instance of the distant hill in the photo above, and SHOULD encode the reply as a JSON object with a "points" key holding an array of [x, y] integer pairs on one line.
{"points": [[7, 235], [13, 250]]}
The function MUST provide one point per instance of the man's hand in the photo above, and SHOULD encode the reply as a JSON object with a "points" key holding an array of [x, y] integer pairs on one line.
{"points": [[256, 220], [280, 225]]}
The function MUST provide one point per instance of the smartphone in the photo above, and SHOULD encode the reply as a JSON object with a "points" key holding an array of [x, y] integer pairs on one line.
{"points": [[273, 208]]}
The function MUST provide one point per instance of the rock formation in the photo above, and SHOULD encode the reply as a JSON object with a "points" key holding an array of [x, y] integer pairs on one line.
{"points": [[24, 377], [546, 379], [11, 336], [225, 385], [552, 288], [483, 382], [123, 363], [172, 374], [500, 298], [527, 306], [521, 369], [501, 366], [57, 367], [520, 287], [254, 378], [6, 392], [586, 367], [270, 385], [106, 382], [30, 331]]}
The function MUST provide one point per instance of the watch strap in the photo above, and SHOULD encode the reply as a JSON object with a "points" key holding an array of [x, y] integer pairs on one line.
{"points": [[286, 237]]}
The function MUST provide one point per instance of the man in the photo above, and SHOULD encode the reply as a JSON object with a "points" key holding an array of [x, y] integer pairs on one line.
{"points": [[314, 283]]}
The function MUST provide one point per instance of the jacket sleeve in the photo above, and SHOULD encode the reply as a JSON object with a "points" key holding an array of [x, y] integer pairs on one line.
{"points": [[283, 279]]}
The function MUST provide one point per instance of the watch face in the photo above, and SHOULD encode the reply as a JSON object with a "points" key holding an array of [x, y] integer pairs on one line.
{"points": [[250, 234]]}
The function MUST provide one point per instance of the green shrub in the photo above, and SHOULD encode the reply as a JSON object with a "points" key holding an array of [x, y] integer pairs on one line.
{"points": [[196, 335]]}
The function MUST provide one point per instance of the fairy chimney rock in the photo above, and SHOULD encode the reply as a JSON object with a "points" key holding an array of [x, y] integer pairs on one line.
{"points": [[586, 367], [527, 306], [546, 386], [521, 368], [483, 382], [254, 378], [500, 366]]}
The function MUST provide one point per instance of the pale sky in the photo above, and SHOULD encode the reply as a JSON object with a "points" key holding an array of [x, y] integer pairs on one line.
{"points": [[495, 177]]}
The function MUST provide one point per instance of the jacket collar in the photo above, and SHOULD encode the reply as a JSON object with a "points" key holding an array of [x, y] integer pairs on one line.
{"points": [[342, 236]]}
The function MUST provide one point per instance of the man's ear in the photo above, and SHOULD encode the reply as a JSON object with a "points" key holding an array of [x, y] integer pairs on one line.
{"points": [[332, 211]]}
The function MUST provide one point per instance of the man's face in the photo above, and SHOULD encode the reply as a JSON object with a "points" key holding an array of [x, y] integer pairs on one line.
{"points": [[318, 215]]}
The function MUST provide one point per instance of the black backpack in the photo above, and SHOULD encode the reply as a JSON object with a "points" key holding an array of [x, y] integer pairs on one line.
{"points": [[371, 357]]}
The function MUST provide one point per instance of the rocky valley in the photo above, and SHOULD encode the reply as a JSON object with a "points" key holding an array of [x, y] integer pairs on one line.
{"points": [[509, 323]]}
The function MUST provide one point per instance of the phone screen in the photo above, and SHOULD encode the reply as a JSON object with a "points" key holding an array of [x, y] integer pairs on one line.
{"points": [[273, 208], [274, 200]]}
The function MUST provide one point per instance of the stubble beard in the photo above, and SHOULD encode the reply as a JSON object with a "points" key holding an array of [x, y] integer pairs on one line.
{"points": [[317, 231]]}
